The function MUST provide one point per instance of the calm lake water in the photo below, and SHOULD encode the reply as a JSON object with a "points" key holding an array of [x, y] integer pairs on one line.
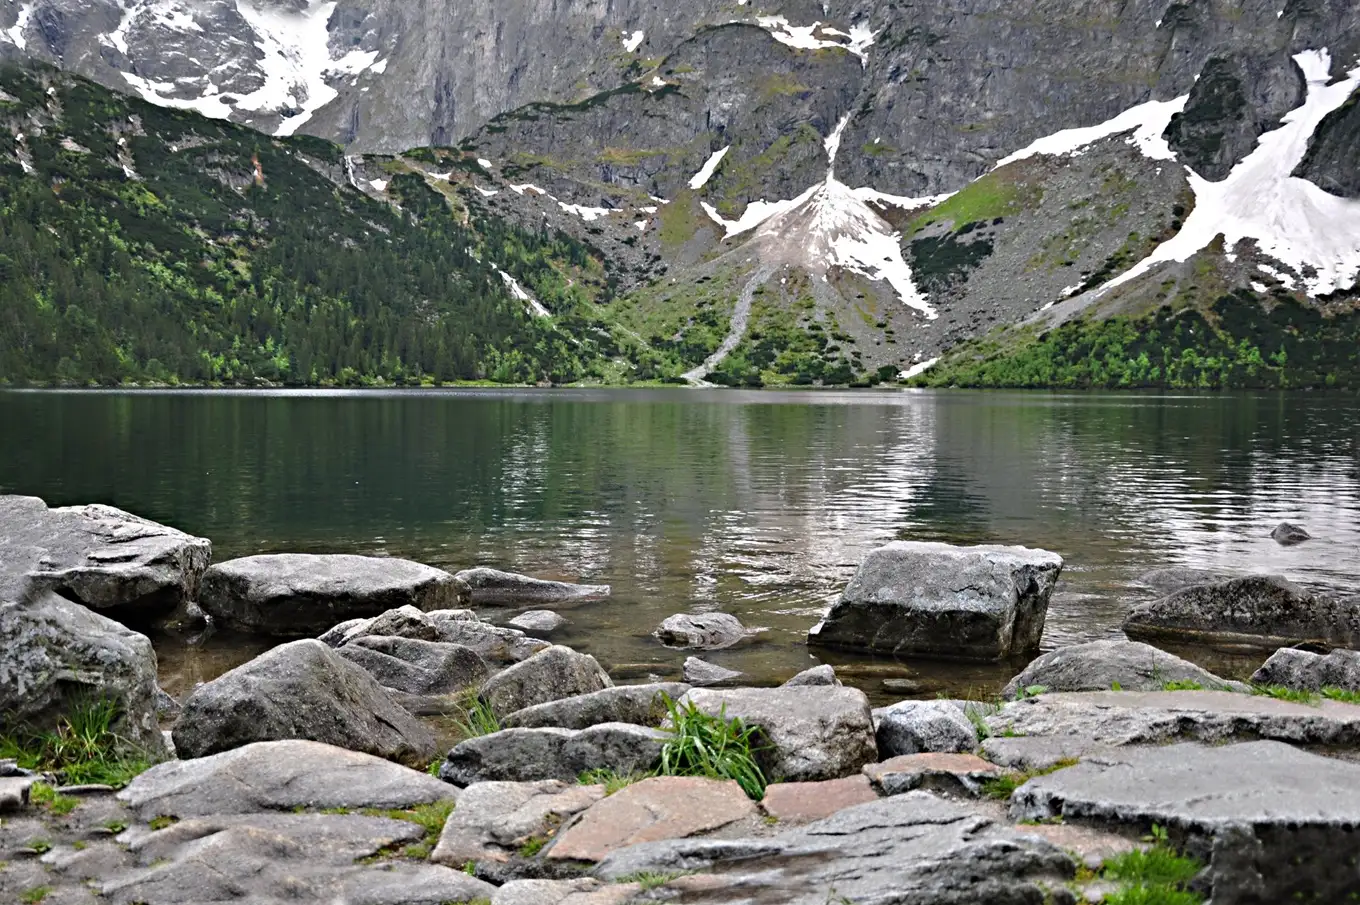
{"points": [[760, 504]]}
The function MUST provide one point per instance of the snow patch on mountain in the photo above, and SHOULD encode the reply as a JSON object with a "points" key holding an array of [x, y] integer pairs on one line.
{"points": [[710, 166], [632, 42], [1315, 234], [518, 292], [15, 33], [1147, 123], [819, 37]]}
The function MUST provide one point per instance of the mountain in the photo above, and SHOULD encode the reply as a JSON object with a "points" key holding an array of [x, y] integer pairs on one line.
{"points": [[843, 191]]}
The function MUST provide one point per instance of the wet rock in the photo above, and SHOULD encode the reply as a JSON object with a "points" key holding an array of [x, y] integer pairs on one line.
{"points": [[494, 586], [1174, 578], [1308, 671], [976, 603], [128, 568], [1273, 822], [1112, 718], [643, 705], [949, 774], [494, 819], [810, 733], [1100, 665], [804, 802], [529, 755], [550, 675], [301, 690], [416, 667], [1259, 611], [295, 595], [916, 727], [538, 622], [279, 776], [701, 672], [910, 848], [663, 807], [1287, 534], [701, 631], [55, 654], [817, 675]]}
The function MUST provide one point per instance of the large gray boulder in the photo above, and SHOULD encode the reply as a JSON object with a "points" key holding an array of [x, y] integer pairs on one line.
{"points": [[496, 644], [1256, 612], [913, 848], [551, 675], [1274, 824], [528, 755], [1311, 672], [403, 622], [809, 733], [56, 655], [495, 586], [701, 631], [1101, 665], [493, 819], [280, 776], [931, 599], [129, 568], [923, 727], [417, 667], [301, 690], [824, 674], [642, 705], [295, 594]]}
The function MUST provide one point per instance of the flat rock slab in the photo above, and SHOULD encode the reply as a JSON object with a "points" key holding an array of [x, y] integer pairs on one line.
{"points": [[804, 802], [1101, 665], [1276, 824], [1126, 718], [294, 595], [581, 891], [1090, 846], [811, 733], [1040, 752], [643, 705], [130, 568], [279, 776], [701, 631], [949, 774], [663, 807], [495, 586], [531, 755], [914, 848], [494, 819]]}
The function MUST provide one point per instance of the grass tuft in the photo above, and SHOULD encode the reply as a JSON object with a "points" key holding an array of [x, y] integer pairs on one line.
{"points": [[35, 895], [612, 780], [1343, 695], [478, 718], [82, 749], [713, 746], [45, 796], [1182, 685], [429, 817], [1281, 693], [1003, 787], [650, 879], [1153, 876]]}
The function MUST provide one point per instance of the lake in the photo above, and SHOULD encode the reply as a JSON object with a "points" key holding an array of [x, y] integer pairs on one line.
{"points": [[760, 504]]}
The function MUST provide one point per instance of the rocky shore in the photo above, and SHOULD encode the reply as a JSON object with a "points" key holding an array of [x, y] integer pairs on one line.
{"points": [[1111, 772]]}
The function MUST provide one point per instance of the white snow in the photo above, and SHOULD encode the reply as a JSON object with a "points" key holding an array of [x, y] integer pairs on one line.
{"points": [[756, 213], [378, 68], [527, 187], [15, 34], [641, 225], [518, 292], [658, 82], [867, 194], [379, 184], [1290, 219], [804, 37], [919, 369], [487, 193], [1285, 279], [483, 163], [632, 42], [1260, 287], [1146, 121], [707, 170], [588, 214]]}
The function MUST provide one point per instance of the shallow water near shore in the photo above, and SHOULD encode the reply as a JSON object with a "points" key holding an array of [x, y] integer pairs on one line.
{"points": [[760, 504]]}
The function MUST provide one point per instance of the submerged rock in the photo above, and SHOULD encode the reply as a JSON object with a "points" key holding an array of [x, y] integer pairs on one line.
{"points": [[1309, 671], [1272, 822], [642, 705], [495, 586], [976, 603], [528, 755], [301, 690], [701, 672], [1259, 611], [817, 675], [808, 733], [701, 631], [126, 567], [551, 675], [1164, 581], [1102, 665], [1287, 534], [295, 594]]}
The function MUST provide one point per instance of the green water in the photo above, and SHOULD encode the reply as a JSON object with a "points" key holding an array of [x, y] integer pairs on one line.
{"points": [[758, 504]]}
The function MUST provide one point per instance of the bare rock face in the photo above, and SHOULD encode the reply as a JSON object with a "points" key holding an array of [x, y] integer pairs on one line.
{"points": [[297, 595], [976, 603], [550, 675], [1103, 665], [493, 819], [531, 755], [301, 690], [128, 568], [641, 705], [1308, 671]]}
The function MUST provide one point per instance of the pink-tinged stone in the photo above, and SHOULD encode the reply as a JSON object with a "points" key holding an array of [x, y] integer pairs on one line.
{"points": [[663, 807], [956, 773], [803, 802], [1092, 846]]}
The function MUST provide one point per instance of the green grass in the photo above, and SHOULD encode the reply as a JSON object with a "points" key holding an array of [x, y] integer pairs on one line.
{"points": [[36, 894], [702, 744], [612, 780], [41, 846], [1153, 876], [429, 817], [1281, 693], [478, 718], [994, 195], [160, 823], [1182, 685], [45, 796], [1342, 695], [649, 879], [116, 826], [82, 749], [1003, 787], [433, 768], [533, 845]]}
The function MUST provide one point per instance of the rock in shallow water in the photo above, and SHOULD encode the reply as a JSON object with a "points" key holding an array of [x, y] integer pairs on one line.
{"points": [[1100, 665], [1287, 534], [1309, 671], [701, 672], [817, 675], [975, 603], [301, 690], [538, 622], [495, 586], [1275, 824], [701, 631], [293, 595]]}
